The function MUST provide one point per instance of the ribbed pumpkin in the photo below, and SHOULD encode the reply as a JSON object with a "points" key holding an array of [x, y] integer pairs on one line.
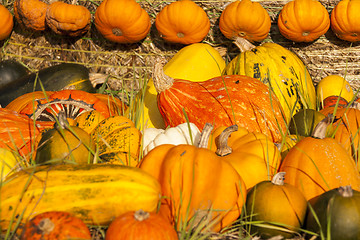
{"points": [[280, 69], [68, 19], [275, 204], [338, 213], [303, 20], [182, 21], [344, 20], [245, 19], [95, 193], [195, 62], [317, 164], [218, 101], [31, 14], [140, 225], [254, 156], [122, 21], [196, 184], [6, 22], [55, 225]]}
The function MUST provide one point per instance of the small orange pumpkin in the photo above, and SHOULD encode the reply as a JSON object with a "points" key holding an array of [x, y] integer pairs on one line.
{"points": [[68, 19], [345, 20], [303, 20], [182, 22], [245, 19], [138, 224], [55, 225], [122, 21], [6, 22], [31, 14]]}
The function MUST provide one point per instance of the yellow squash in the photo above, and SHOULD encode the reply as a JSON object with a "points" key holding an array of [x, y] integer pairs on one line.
{"points": [[196, 62], [95, 193], [280, 69]]}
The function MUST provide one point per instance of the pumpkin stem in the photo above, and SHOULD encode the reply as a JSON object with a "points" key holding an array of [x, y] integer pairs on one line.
{"points": [[278, 178], [141, 215], [320, 129], [205, 135], [345, 191], [46, 226], [223, 148], [243, 44], [355, 105], [160, 79], [62, 122]]}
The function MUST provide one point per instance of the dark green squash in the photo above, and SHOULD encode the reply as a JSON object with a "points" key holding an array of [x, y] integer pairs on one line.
{"points": [[341, 208], [54, 78], [11, 70]]}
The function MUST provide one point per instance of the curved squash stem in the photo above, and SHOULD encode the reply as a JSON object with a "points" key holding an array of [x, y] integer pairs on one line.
{"points": [[278, 179], [141, 215], [223, 148], [320, 129], [205, 135], [160, 79], [355, 105], [243, 44], [345, 191]]}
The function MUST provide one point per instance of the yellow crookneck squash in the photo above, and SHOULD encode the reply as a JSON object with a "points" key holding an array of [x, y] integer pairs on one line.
{"points": [[196, 62], [254, 156], [280, 69]]}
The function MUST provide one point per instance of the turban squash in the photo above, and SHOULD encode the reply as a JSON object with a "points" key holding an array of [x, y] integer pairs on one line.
{"points": [[218, 101]]}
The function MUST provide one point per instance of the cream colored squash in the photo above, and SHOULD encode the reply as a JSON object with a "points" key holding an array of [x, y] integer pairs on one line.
{"points": [[196, 62], [185, 133]]}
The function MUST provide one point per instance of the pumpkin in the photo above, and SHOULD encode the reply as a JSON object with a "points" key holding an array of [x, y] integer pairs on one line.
{"points": [[55, 78], [55, 225], [31, 14], [280, 69], [192, 193], [64, 143], [10, 70], [303, 20], [18, 132], [95, 193], [333, 101], [336, 213], [334, 85], [288, 142], [6, 22], [317, 164], [278, 207], [184, 133], [140, 224], [117, 140], [218, 101], [194, 62], [304, 121], [253, 155], [10, 162], [245, 19], [183, 22], [116, 106], [344, 19], [68, 19], [122, 21]]}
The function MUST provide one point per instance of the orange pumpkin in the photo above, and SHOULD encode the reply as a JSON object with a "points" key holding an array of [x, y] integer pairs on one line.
{"points": [[317, 164], [182, 22], [140, 225], [55, 225], [345, 20], [6, 22], [197, 185], [303, 20], [218, 101], [245, 19], [122, 21], [31, 14], [68, 19]]}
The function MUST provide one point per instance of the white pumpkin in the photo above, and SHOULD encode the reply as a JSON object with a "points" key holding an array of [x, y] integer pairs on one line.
{"points": [[185, 133]]}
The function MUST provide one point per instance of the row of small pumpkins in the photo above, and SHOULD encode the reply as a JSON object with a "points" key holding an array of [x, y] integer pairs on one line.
{"points": [[128, 22], [241, 153]]}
